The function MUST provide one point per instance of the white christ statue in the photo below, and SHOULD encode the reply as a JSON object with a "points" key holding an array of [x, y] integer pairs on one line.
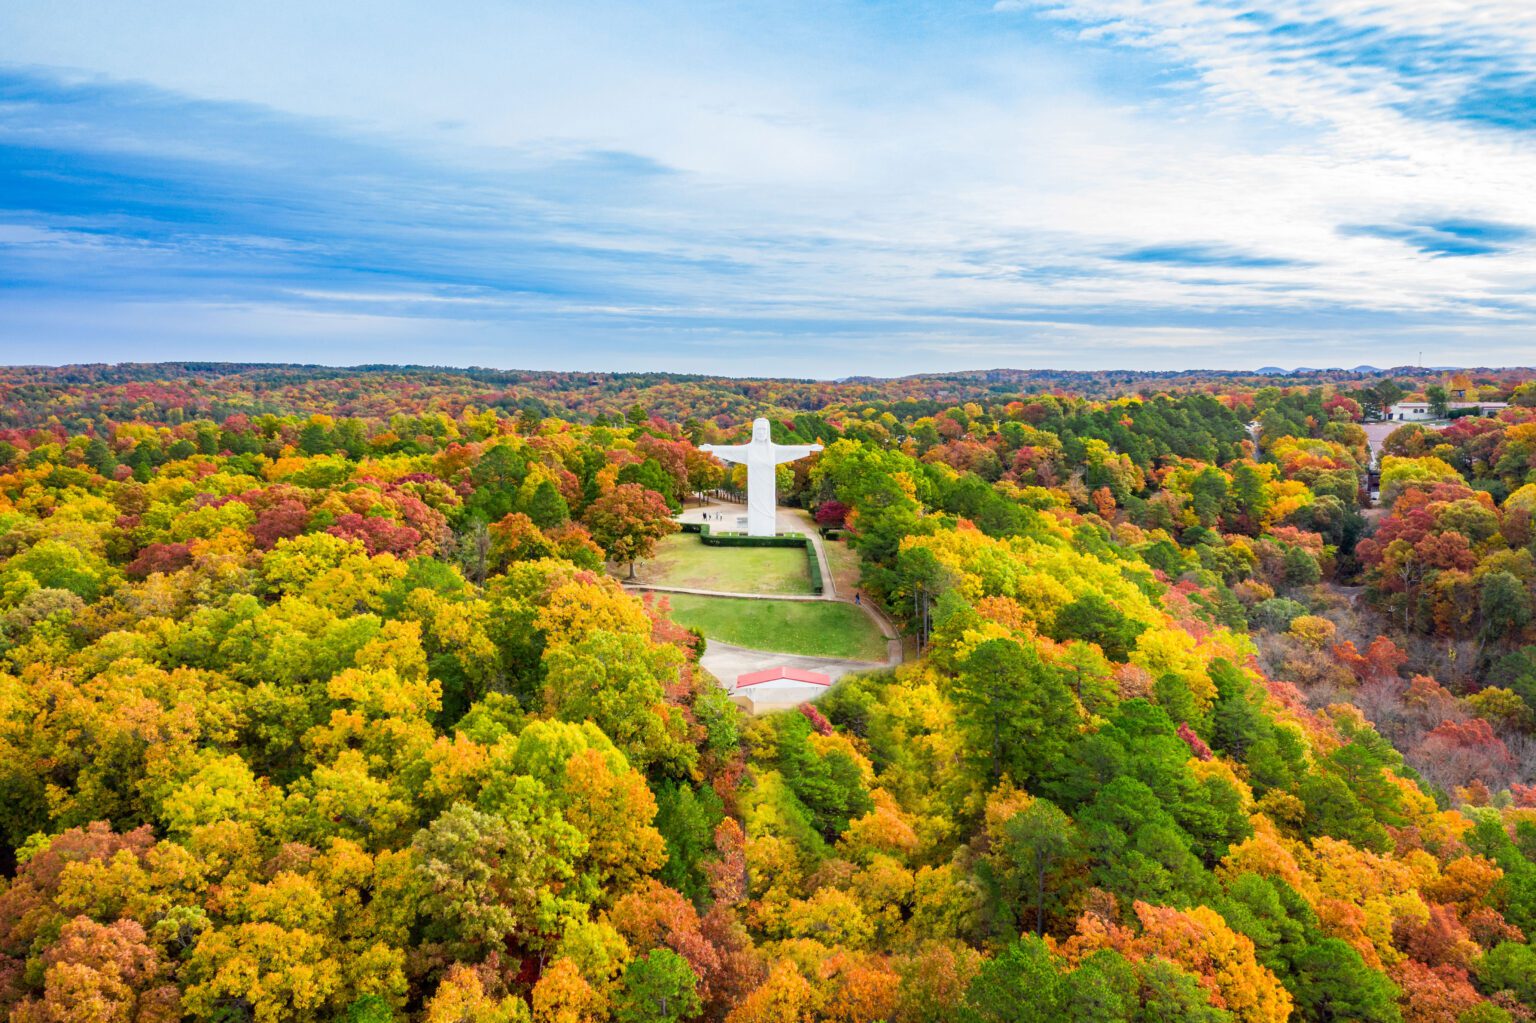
{"points": [[760, 457]]}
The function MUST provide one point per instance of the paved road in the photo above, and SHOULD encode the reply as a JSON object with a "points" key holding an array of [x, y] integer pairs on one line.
{"points": [[726, 662], [1376, 435]]}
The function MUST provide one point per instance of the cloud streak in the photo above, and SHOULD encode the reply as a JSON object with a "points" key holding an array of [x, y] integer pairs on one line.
{"points": [[1072, 184]]}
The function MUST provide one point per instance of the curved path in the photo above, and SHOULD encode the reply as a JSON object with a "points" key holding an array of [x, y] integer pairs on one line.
{"points": [[635, 584]]}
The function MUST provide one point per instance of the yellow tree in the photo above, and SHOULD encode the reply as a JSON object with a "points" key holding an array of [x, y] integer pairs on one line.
{"points": [[1200, 941]]}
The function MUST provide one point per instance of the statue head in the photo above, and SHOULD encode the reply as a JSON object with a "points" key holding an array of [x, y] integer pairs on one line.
{"points": [[760, 430]]}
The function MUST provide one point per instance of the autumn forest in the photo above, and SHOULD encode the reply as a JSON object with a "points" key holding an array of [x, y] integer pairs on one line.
{"points": [[323, 697]]}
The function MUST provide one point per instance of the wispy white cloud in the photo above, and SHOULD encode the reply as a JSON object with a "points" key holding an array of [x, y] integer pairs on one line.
{"points": [[1054, 181]]}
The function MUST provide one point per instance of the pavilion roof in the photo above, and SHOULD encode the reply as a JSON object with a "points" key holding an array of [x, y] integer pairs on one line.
{"points": [[753, 678]]}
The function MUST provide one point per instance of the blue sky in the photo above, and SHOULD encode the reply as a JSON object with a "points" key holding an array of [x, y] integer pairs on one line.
{"points": [[808, 189]]}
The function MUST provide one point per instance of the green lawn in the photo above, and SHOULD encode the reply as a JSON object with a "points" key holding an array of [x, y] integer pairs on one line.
{"points": [[816, 628], [844, 563], [683, 560]]}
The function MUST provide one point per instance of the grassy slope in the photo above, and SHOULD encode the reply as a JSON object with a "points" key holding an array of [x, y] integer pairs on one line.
{"points": [[813, 628], [844, 563], [682, 560]]}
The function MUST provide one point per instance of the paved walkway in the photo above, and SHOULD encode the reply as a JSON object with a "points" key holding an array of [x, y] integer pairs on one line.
{"points": [[1376, 435], [658, 588], [726, 662]]}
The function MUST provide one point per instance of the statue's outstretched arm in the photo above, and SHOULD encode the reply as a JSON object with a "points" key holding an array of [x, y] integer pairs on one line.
{"points": [[727, 452], [792, 452]]}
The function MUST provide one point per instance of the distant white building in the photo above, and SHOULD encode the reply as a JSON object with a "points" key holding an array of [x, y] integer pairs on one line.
{"points": [[778, 688], [1413, 411], [1408, 411]]}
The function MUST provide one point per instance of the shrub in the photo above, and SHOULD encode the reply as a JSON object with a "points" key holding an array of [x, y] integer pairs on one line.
{"points": [[1275, 614]]}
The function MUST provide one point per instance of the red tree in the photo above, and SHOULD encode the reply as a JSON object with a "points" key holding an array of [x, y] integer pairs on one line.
{"points": [[159, 557], [831, 514], [628, 521]]}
